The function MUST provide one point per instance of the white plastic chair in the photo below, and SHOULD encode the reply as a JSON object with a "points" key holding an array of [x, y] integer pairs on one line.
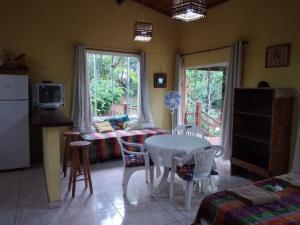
{"points": [[128, 170], [179, 130], [191, 130], [200, 172], [219, 150]]}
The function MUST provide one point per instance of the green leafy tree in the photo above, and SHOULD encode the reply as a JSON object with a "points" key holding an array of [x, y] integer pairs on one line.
{"points": [[105, 96], [204, 86], [113, 80]]}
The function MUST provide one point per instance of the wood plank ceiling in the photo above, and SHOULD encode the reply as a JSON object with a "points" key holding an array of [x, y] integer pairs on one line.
{"points": [[164, 6]]}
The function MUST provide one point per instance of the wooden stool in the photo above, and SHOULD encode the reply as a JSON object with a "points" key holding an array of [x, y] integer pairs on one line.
{"points": [[70, 137], [78, 147]]}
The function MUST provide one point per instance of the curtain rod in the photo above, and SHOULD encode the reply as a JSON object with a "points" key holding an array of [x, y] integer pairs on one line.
{"points": [[113, 50], [110, 50], [212, 49]]}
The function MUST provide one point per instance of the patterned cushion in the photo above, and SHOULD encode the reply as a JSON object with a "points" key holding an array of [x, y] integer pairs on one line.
{"points": [[103, 127], [186, 172], [133, 125], [117, 121], [105, 145], [133, 160]]}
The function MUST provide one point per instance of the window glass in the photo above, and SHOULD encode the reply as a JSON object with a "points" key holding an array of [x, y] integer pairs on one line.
{"points": [[114, 82]]}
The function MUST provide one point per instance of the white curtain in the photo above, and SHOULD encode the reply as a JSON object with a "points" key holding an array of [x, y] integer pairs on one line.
{"points": [[179, 87], [296, 157], [81, 109], [233, 80], [145, 115]]}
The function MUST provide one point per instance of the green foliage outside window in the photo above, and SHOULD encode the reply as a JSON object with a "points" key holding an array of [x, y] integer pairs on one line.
{"points": [[105, 95], [113, 80], [204, 86]]}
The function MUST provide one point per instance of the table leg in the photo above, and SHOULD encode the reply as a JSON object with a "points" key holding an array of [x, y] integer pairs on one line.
{"points": [[163, 180]]}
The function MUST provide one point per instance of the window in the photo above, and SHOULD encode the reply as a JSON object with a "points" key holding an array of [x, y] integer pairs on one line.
{"points": [[114, 83]]}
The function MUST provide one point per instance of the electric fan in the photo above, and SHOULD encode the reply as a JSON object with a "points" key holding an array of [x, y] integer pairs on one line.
{"points": [[172, 101]]}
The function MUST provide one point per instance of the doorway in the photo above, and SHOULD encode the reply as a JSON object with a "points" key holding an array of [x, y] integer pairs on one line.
{"points": [[203, 99]]}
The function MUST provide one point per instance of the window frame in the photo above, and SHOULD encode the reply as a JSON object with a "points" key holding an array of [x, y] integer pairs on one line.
{"points": [[115, 53]]}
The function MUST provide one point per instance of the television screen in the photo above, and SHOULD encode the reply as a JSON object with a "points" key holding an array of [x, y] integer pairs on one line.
{"points": [[49, 94]]}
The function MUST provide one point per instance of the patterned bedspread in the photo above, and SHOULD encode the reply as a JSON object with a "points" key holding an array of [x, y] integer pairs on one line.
{"points": [[105, 146], [224, 208]]}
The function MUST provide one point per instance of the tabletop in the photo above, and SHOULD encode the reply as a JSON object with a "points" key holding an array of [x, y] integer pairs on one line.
{"points": [[176, 142], [162, 148]]}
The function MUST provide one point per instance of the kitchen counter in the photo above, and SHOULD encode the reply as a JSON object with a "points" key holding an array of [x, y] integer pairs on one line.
{"points": [[50, 118], [51, 122]]}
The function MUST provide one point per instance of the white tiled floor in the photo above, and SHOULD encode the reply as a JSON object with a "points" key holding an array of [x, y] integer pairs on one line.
{"points": [[23, 199]]}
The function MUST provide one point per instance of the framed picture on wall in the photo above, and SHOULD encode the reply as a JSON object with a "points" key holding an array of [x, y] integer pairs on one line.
{"points": [[278, 55], [160, 80]]}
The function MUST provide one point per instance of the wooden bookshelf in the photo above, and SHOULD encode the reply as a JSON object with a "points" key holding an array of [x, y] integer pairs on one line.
{"points": [[262, 120]]}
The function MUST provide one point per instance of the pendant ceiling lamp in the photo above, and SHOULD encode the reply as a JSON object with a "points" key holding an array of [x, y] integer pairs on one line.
{"points": [[189, 10], [143, 31]]}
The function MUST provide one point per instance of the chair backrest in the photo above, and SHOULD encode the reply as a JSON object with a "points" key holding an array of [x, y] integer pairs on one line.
{"points": [[203, 159], [122, 146], [196, 131], [179, 130], [191, 130], [219, 150]]}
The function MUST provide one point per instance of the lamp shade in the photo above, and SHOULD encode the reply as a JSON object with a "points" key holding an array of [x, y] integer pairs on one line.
{"points": [[143, 31], [189, 10]]}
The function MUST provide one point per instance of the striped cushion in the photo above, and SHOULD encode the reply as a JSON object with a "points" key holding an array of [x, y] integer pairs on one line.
{"points": [[105, 145]]}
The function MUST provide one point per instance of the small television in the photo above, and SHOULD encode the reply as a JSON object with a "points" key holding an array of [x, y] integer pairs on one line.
{"points": [[47, 96]]}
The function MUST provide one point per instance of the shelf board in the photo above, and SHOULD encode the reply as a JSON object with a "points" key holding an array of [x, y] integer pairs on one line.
{"points": [[249, 166], [254, 114], [255, 138]]}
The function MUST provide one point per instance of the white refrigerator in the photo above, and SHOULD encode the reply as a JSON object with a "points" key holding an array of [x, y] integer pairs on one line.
{"points": [[14, 122]]}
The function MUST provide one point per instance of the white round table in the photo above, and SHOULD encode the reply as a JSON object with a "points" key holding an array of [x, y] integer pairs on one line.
{"points": [[162, 149]]}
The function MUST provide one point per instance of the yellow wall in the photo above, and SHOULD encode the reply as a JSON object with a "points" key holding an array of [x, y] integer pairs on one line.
{"points": [[47, 30], [51, 160], [262, 23]]}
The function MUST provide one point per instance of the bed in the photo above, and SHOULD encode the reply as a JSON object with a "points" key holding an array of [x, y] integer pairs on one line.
{"points": [[105, 146], [224, 208]]}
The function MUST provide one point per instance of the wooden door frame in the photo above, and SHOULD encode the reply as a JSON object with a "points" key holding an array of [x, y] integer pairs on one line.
{"points": [[203, 67]]}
